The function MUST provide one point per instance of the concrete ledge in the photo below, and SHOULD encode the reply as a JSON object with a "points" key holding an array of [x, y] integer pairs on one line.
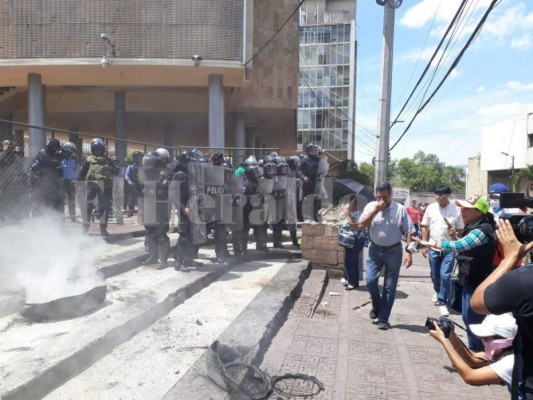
{"points": [[251, 333], [60, 350]]}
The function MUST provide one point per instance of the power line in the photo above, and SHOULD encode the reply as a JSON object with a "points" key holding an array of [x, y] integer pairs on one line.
{"points": [[454, 64], [275, 33], [452, 23]]}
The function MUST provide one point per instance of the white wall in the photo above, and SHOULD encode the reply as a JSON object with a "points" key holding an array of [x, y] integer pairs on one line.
{"points": [[509, 137]]}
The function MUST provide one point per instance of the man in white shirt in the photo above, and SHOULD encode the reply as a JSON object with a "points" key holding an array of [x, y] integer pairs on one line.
{"points": [[442, 221]]}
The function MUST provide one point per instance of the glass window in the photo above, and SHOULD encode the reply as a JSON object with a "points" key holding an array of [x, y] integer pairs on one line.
{"points": [[299, 137], [334, 34]]}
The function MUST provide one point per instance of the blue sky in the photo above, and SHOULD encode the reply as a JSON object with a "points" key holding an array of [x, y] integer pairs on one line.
{"points": [[493, 82]]}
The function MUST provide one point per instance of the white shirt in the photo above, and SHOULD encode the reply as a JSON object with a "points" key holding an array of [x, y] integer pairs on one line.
{"points": [[434, 219], [504, 368]]}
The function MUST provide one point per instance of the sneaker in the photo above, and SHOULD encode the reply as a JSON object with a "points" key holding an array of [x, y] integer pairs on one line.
{"points": [[435, 297], [373, 314], [383, 326], [444, 311], [344, 282]]}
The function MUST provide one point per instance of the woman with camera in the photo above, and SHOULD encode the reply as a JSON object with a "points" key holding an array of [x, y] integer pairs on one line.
{"points": [[351, 254], [476, 250], [495, 364]]}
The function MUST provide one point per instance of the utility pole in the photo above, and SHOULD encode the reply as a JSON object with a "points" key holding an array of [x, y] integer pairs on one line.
{"points": [[512, 170], [382, 156]]}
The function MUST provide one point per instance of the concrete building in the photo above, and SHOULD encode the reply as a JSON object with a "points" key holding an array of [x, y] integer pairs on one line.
{"points": [[153, 88], [506, 148], [326, 88]]}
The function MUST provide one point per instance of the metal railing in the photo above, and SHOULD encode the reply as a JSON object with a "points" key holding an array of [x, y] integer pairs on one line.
{"points": [[18, 197]]}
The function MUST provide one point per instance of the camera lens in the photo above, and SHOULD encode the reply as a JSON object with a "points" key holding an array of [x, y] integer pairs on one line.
{"points": [[525, 228]]}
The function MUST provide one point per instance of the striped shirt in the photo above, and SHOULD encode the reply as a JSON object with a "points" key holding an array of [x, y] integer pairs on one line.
{"points": [[473, 239]]}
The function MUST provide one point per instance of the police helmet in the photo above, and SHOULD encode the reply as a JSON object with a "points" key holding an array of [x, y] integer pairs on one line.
{"points": [[269, 169], [52, 145], [293, 162], [282, 169], [228, 166], [7, 142], [69, 146], [253, 173], [151, 160], [137, 155], [250, 161], [312, 150], [198, 153], [18, 150], [204, 160], [185, 157], [164, 155], [97, 144], [217, 158]]}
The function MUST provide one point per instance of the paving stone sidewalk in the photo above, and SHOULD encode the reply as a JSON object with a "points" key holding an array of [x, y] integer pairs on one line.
{"points": [[355, 360]]}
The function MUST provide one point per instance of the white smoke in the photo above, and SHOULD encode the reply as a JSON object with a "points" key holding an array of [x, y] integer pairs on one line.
{"points": [[50, 260]]}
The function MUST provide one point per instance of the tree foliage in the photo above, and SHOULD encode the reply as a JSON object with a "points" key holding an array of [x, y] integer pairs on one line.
{"points": [[422, 173]]}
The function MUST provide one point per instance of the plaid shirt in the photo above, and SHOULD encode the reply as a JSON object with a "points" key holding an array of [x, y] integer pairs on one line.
{"points": [[473, 239]]}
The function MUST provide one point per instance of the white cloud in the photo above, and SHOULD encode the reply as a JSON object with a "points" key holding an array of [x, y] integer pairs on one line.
{"points": [[455, 73], [522, 42], [480, 89]]}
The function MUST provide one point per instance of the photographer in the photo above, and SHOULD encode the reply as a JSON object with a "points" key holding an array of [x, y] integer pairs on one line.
{"points": [[511, 291], [482, 368], [476, 247]]}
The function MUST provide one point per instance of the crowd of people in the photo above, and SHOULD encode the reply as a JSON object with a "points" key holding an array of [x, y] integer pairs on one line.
{"points": [[207, 194], [497, 300]]}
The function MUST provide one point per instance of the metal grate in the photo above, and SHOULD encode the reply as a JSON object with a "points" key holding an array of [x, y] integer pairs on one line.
{"points": [[138, 28]]}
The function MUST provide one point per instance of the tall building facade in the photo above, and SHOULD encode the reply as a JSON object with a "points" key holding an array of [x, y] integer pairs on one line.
{"points": [[177, 72], [326, 86]]}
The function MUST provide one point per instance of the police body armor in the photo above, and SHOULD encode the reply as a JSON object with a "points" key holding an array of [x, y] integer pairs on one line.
{"points": [[196, 202], [277, 211], [100, 172], [260, 201]]}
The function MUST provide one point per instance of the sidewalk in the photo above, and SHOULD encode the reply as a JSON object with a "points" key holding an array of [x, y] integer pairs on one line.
{"points": [[355, 360]]}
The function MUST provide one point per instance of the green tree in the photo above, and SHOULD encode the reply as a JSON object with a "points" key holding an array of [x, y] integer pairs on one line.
{"points": [[524, 173], [424, 172]]}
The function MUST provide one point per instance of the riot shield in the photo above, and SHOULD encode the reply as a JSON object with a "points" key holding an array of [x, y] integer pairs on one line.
{"points": [[214, 189], [322, 171], [291, 200], [232, 203], [277, 212], [196, 202], [261, 201]]}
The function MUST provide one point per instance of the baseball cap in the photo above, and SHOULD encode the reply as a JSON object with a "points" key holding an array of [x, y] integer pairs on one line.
{"points": [[495, 325], [497, 188], [476, 201], [441, 189]]}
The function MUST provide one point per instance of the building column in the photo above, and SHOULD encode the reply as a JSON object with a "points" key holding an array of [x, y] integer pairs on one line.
{"points": [[36, 111], [216, 112], [259, 146], [238, 137], [121, 147]]}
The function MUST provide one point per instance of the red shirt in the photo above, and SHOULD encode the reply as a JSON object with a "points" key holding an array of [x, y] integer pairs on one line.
{"points": [[414, 213]]}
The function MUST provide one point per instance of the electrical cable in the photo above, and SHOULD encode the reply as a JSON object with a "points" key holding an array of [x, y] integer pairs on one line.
{"points": [[275, 33], [452, 23], [450, 69]]}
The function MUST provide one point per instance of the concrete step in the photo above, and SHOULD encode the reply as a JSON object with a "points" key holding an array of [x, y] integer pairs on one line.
{"points": [[51, 353], [149, 364]]}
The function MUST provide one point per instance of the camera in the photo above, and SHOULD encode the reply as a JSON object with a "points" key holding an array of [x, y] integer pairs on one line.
{"points": [[444, 324], [522, 223], [413, 247]]}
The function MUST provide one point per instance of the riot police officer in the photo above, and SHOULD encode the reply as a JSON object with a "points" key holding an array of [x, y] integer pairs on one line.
{"points": [[186, 250], [46, 178], [98, 170], [309, 168], [293, 201], [154, 207], [215, 188], [279, 194]]}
